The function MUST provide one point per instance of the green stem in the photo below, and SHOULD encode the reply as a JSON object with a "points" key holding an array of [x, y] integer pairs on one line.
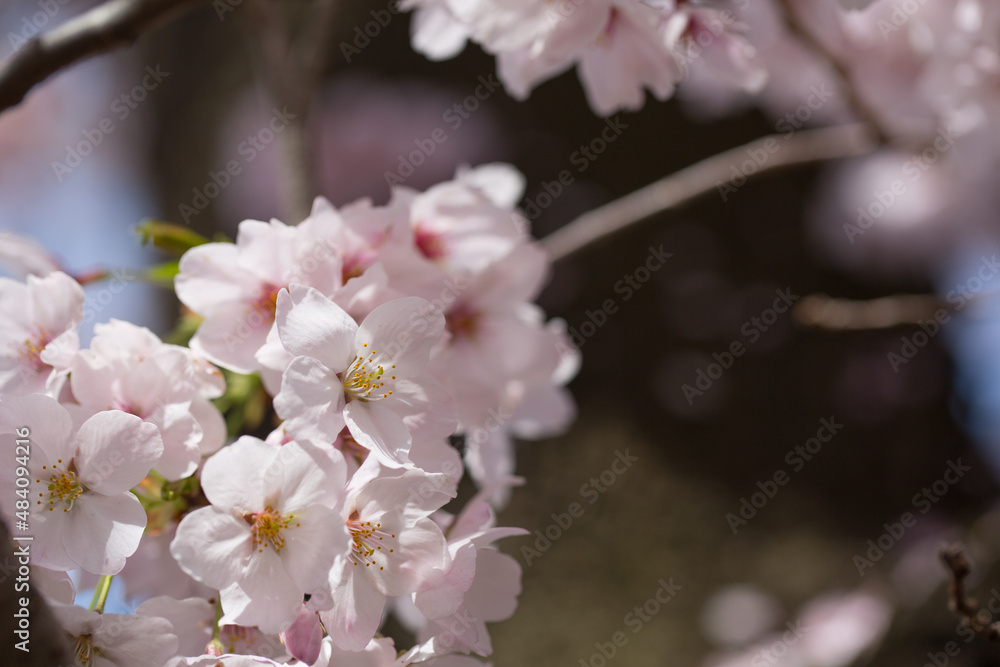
{"points": [[101, 593]]}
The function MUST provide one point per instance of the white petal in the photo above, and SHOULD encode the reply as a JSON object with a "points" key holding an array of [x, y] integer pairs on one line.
{"points": [[311, 325], [379, 430], [213, 546], [115, 451], [311, 400], [233, 477], [104, 531], [401, 332]]}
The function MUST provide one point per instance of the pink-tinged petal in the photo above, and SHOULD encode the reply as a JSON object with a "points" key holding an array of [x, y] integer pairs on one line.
{"points": [[115, 451], [49, 424], [401, 332], [544, 413], [55, 585], [181, 435], [444, 596], [191, 618], [422, 553], [478, 514], [493, 596], [303, 474], [265, 595], [233, 334], [213, 425], [48, 548], [311, 400], [60, 351], [104, 531], [233, 477], [210, 277], [56, 302], [136, 641], [380, 652], [213, 546], [304, 637], [436, 34], [92, 379], [311, 325], [357, 608], [314, 539], [427, 408], [379, 430]]}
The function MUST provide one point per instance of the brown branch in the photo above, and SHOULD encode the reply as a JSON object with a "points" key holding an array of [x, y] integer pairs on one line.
{"points": [[958, 567], [113, 25], [702, 177], [824, 312]]}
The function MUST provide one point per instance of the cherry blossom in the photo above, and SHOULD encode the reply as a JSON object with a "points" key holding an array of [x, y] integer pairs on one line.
{"points": [[128, 368], [117, 640], [81, 510], [38, 336], [271, 532], [368, 377]]}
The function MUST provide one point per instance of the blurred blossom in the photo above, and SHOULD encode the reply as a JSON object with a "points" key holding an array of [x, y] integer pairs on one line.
{"points": [[739, 614], [832, 631]]}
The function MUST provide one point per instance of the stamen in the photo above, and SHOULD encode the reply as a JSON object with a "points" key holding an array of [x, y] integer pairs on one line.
{"points": [[266, 527], [368, 541]]}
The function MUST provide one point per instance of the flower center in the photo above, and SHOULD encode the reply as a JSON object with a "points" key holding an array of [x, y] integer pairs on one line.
{"points": [[462, 322], [368, 540], [266, 527], [266, 303], [83, 646], [429, 244], [364, 380], [63, 486], [30, 352]]}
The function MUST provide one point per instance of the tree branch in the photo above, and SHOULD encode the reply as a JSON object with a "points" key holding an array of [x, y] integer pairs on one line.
{"points": [[955, 560], [824, 312], [671, 191], [114, 24]]}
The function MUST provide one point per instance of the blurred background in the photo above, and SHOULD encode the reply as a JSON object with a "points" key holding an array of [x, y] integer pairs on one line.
{"points": [[192, 97]]}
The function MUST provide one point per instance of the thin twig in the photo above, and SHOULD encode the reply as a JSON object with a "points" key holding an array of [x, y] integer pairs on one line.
{"points": [[702, 177], [958, 567], [114, 24], [824, 312]]}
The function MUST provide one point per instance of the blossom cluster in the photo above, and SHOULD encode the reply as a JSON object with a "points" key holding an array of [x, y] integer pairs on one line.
{"points": [[620, 46], [386, 335]]}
